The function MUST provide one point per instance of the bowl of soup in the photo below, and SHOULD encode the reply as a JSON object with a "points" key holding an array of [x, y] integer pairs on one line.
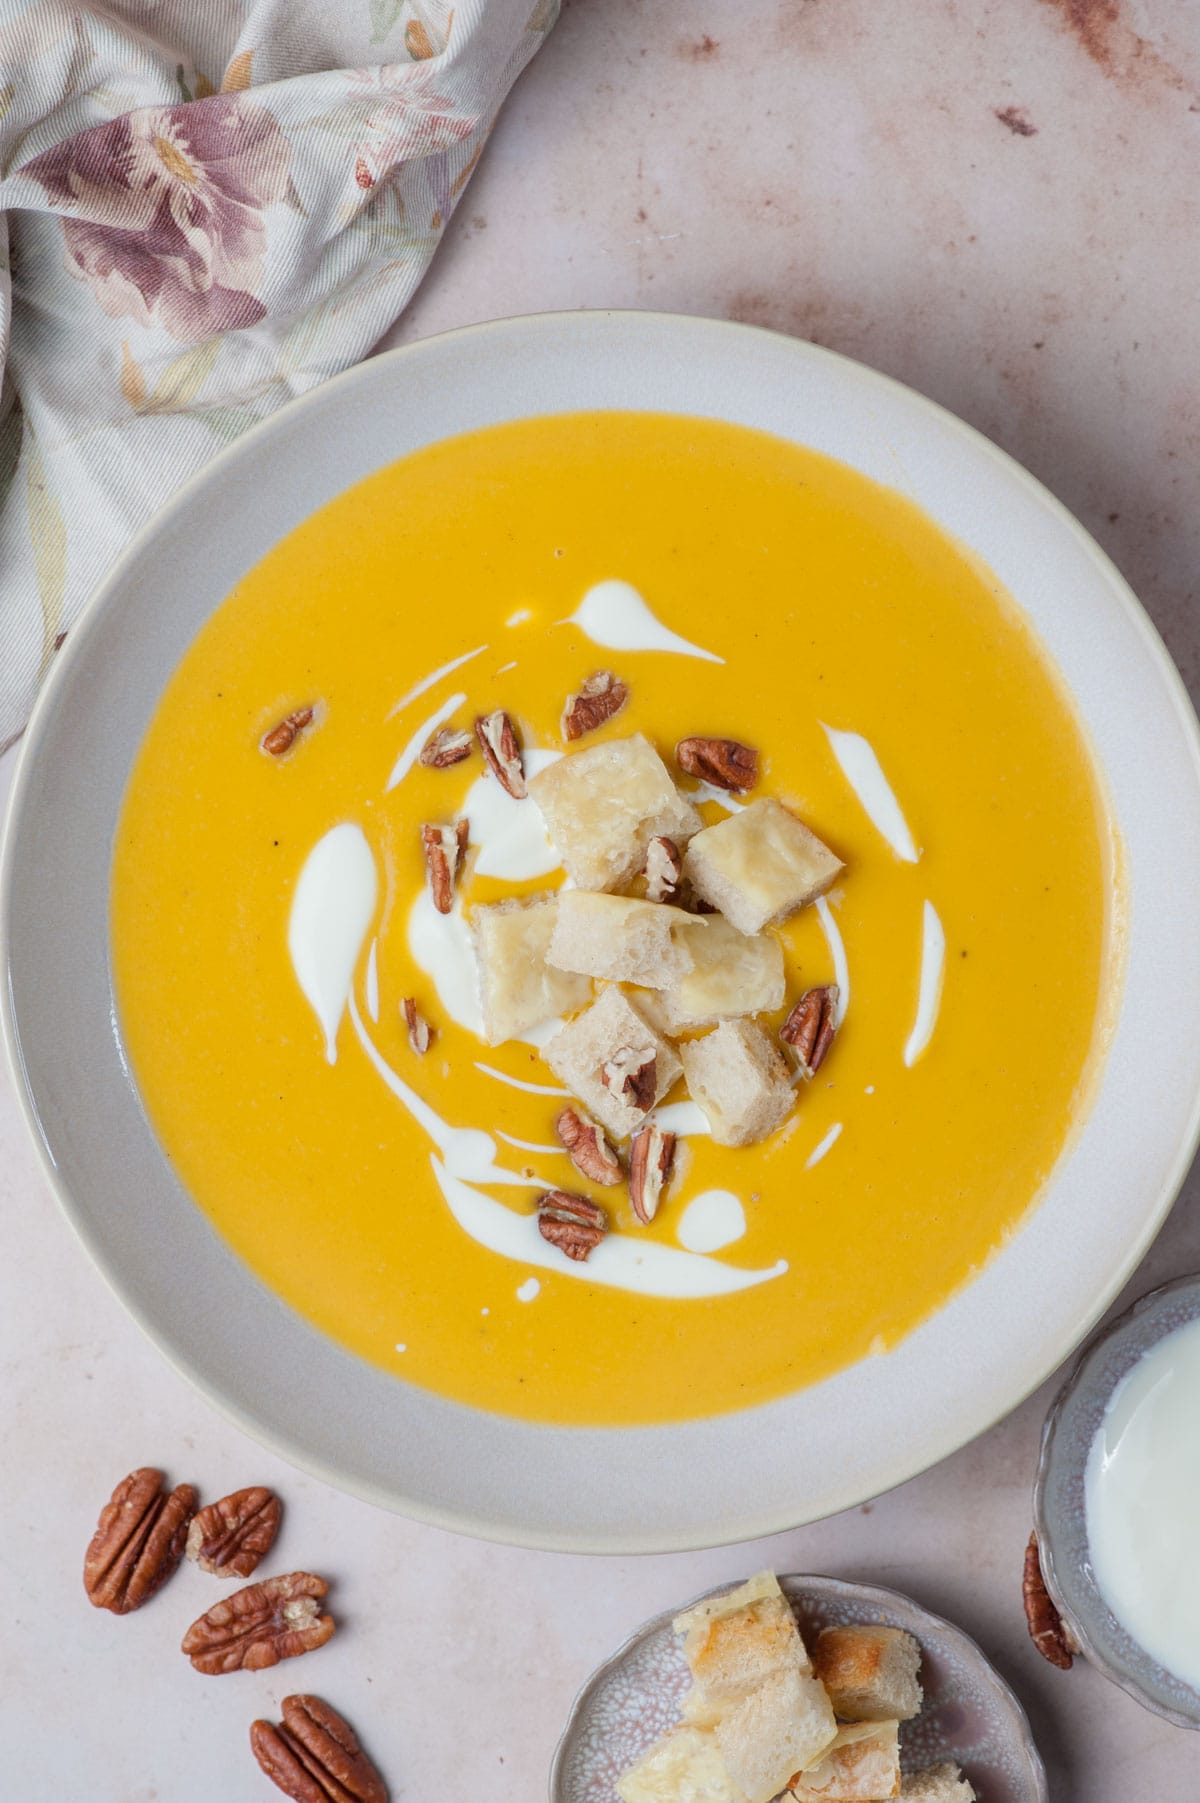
{"points": [[597, 931]]}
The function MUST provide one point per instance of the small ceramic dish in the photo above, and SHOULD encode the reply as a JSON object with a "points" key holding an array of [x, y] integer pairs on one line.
{"points": [[1059, 1505], [970, 1716]]}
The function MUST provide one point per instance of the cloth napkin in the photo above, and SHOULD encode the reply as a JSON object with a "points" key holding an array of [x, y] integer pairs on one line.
{"points": [[206, 207]]}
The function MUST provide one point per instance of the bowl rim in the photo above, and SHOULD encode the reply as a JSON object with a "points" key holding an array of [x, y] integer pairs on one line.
{"points": [[882, 1594], [1088, 1646], [939, 1441]]}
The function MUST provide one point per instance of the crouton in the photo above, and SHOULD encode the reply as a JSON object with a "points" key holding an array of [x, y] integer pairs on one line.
{"points": [[602, 806], [518, 990], [615, 937], [732, 974], [612, 1060], [869, 1672], [739, 1078], [733, 1642], [861, 1766], [759, 866], [782, 1727], [938, 1784], [685, 1766]]}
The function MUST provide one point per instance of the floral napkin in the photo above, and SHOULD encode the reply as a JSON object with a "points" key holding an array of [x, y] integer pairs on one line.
{"points": [[206, 207]]}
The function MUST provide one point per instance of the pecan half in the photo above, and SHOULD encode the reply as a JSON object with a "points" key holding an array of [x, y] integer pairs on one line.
{"points": [[448, 746], [651, 1155], [420, 1033], [138, 1542], [1046, 1629], [444, 847], [600, 697], [632, 1073], [281, 738], [280, 1618], [229, 1537], [664, 867], [314, 1755], [722, 762], [810, 1027], [502, 750], [572, 1223], [590, 1151]]}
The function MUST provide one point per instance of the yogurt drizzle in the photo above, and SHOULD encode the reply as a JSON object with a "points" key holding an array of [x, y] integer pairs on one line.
{"points": [[863, 771], [614, 615], [929, 998]]}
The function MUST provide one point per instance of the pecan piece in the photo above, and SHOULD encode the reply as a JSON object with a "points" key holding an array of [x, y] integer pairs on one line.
{"points": [[420, 1033], [444, 847], [1046, 1628], [722, 762], [590, 1151], [810, 1027], [600, 697], [279, 1618], [633, 1074], [314, 1755], [448, 746], [572, 1223], [651, 1155], [502, 751], [229, 1537], [281, 738], [138, 1542], [664, 867]]}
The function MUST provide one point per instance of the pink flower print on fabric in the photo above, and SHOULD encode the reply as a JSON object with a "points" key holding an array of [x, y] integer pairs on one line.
{"points": [[166, 221]]}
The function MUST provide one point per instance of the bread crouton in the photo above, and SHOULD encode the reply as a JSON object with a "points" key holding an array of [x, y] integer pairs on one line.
{"points": [[937, 1784], [617, 938], [780, 1728], [518, 989], [759, 866], [612, 1060], [732, 974], [739, 1078], [602, 806], [733, 1642], [862, 1766], [869, 1672], [685, 1766]]}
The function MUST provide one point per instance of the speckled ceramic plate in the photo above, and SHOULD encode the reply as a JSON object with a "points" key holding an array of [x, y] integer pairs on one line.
{"points": [[970, 1715], [1060, 1510]]}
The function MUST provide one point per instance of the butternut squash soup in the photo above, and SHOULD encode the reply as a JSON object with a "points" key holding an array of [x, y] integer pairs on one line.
{"points": [[613, 918]]}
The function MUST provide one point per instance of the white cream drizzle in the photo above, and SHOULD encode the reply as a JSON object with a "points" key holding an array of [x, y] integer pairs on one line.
{"points": [[527, 1291], [533, 1089], [331, 910], [519, 618], [510, 836], [531, 1145], [837, 951], [862, 770], [435, 676], [621, 1261], [440, 945], [929, 997], [372, 984], [713, 1219], [683, 1119], [614, 615], [416, 744], [722, 797], [824, 1145]]}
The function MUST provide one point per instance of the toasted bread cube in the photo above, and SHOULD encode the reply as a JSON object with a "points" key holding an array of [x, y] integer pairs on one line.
{"points": [[759, 866], [617, 938], [733, 1642], [862, 1766], [782, 1727], [602, 806], [609, 1031], [518, 989], [870, 1672], [733, 974], [739, 1078], [685, 1766], [938, 1784]]}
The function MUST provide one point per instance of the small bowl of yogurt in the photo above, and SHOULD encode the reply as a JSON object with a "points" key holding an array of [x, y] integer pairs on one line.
{"points": [[1117, 1501]]}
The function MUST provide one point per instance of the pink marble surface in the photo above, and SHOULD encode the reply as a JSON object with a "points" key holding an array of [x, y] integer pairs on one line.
{"points": [[842, 171]]}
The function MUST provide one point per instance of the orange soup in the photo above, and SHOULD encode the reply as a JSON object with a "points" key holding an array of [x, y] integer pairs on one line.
{"points": [[271, 915]]}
